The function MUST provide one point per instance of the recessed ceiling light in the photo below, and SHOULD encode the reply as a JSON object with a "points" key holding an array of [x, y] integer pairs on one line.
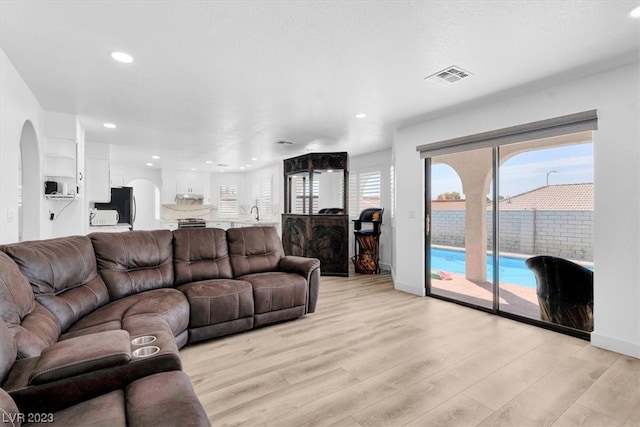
{"points": [[125, 58], [209, 162], [155, 157], [241, 167], [248, 166], [635, 12], [361, 116], [221, 170], [193, 169], [109, 125], [253, 159], [149, 164]]}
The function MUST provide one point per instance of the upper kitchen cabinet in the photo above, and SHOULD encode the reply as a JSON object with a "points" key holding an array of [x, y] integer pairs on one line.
{"points": [[98, 173], [190, 187], [178, 185]]}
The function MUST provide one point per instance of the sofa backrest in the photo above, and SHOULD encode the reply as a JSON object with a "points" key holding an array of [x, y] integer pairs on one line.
{"points": [[254, 250], [33, 327], [200, 254], [134, 261], [63, 276]]}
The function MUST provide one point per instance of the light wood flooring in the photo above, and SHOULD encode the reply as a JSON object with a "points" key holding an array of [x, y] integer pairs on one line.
{"points": [[371, 355]]}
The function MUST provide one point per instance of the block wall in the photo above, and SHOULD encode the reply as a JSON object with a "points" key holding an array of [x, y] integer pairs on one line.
{"points": [[566, 234]]}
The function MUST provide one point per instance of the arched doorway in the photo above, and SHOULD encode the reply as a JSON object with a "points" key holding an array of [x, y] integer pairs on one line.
{"points": [[29, 184]]}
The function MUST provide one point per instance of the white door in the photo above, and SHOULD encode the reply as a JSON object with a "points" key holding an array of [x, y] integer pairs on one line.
{"points": [[147, 204]]}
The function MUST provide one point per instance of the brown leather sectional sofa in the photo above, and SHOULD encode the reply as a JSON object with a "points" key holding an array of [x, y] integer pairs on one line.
{"points": [[73, 310]]}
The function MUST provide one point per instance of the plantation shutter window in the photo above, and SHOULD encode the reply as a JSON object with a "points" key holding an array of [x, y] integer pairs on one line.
{"points": [[261, 197], [364, 191], [228, 206]]}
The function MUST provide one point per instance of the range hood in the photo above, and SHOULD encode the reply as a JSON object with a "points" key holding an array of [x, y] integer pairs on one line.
{"points": [[189, 198]]}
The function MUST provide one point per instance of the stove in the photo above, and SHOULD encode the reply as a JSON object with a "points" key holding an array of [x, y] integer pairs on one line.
{"points": [[191, 223]]}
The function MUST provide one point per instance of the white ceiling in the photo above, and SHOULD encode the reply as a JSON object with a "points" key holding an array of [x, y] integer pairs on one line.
{"points": [[224, 80]]}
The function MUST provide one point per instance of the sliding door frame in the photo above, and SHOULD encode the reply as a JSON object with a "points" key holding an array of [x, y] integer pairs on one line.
{"points": [[572, 123]]}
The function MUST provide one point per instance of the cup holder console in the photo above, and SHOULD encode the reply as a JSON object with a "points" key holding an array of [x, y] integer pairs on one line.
{"points": [[146, 351], [146, 339]]}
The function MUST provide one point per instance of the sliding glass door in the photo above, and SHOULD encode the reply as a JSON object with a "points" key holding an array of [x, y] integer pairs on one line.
{"points": [[546, 230], [538, 221], [461, 232]]}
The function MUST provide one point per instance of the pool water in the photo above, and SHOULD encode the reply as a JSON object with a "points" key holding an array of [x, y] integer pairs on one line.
{"points": [[512, 270]]}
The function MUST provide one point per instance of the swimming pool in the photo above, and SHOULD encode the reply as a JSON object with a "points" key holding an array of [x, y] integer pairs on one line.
{"points": [[512, 270]]}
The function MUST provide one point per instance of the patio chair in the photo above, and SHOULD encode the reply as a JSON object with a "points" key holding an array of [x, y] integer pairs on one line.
{"points": [[565, 291]]}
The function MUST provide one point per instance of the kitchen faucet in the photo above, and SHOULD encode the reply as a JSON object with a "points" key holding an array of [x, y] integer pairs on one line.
{"points": [[257, 212]]}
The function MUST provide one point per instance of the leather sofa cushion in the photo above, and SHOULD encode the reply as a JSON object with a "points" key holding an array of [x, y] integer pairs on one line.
{"points": [[63, 276], [16, 296], [164, 399], [166, 309], [135, 261], [200, 254], [218, 301], [38, 330], [80, 355], [254, 250], [274, 291], [106, 410]]}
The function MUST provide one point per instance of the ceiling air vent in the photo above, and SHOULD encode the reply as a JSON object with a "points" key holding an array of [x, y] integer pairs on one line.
{"points": [[283, 142], [448, 76]]}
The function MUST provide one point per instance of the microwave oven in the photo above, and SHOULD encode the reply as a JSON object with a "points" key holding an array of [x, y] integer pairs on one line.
{"points": [[103, 217]]}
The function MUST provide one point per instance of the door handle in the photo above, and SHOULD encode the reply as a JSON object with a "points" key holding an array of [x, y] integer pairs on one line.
{"points": [[427, 224]]}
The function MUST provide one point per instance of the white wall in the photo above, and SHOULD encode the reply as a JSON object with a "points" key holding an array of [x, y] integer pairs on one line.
{"points": [[616, 95], [380, 160], [17, 105]]}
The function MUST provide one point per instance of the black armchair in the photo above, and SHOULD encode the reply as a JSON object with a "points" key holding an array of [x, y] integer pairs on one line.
{"points": [[565, 291]]}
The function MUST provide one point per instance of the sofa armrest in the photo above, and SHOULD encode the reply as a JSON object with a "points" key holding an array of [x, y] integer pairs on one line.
{"points": [[300, 265], [80, 355], [309, 268]]}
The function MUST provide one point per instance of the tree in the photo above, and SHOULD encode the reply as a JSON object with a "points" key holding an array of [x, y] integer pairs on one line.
{"points": [[451, 195]]}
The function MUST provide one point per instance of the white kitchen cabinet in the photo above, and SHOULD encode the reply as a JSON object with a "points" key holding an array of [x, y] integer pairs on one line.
{"points": [[190, 186], [185, 183], [219, 224], [117, 180], [98, 180], [169, 225]]}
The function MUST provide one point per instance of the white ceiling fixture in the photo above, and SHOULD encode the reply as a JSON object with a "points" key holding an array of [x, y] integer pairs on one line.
{"points": [[635, 12], [253, 159], [448, 76], [125, 58], [109, 125], [155, 157], [361, 116], [149, 164], [209, 162]]}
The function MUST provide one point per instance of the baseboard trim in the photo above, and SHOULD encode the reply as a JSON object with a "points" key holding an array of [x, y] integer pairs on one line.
{"points": [[409, 289], [617, 345]]}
